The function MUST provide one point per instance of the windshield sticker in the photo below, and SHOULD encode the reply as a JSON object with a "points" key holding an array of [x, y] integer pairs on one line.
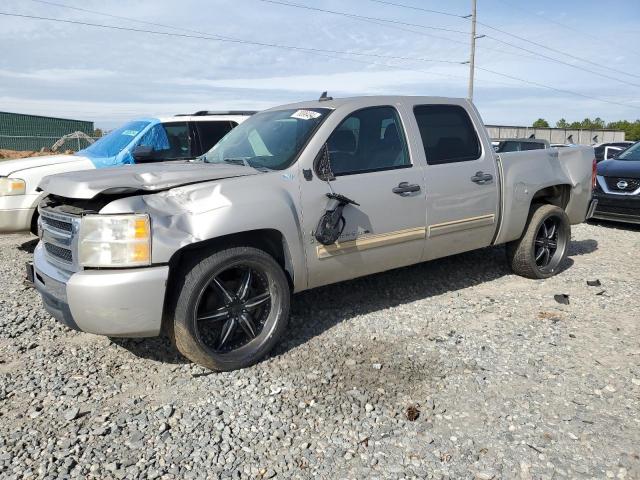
{"points": [[130, 133], [306, 114]]}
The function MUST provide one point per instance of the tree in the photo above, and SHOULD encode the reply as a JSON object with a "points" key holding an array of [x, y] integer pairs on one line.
{"points": [[631, 129], [562, 123], [541, 123], [98, 132]]}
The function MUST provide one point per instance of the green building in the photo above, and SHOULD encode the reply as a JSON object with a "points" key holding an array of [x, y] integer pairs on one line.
{"points": [[33, 132]]}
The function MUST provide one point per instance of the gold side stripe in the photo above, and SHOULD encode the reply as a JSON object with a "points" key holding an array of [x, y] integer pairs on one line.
{"points": [[460, 225], [365, 242]]}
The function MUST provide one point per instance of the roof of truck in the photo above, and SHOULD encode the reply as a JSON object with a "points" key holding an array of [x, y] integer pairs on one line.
{"points": [[233, 116], [364, 101]]}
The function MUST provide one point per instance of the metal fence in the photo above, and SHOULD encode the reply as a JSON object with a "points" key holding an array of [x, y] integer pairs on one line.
{"points": [[557, 135], [36, 143]]}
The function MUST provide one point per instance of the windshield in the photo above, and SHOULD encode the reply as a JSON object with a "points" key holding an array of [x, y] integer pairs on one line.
{"points": [[112, 144], [632, 153], [268, 140]]}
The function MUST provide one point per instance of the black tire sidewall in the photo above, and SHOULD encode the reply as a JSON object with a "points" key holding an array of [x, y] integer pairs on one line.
{"points": [[521, 253], [565, 230], [185, 332]]}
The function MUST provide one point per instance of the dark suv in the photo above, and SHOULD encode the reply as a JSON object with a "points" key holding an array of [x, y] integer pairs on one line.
{"points": [[618, 187]]}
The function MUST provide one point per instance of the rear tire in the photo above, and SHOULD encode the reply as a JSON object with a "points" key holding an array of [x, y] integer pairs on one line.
{"points": [[543, 246], [232, 308]]}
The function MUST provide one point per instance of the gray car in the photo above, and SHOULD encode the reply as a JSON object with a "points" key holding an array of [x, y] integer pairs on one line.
{"points": [[296, 197]]}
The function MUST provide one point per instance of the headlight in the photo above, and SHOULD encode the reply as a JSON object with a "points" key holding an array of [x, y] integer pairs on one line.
{"points": [[12, 186], [115, 241]]}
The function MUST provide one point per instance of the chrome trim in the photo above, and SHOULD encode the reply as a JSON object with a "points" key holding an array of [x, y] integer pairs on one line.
{"points": [[616, 217], [366, 242], [461, 225], [49, 234], [592, 207], [603, 185]]}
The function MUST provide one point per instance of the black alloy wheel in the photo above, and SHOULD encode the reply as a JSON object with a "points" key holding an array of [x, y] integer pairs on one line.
{"points": [[543, 246], [548, 240], [232, 308]]}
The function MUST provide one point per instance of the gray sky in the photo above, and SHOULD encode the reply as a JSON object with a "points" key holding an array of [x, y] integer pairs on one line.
{"points": [[109, 76]]}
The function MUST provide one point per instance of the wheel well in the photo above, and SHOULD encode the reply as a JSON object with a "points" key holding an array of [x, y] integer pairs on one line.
{"points": [[33, 227], [557, 195], [268, 240]]}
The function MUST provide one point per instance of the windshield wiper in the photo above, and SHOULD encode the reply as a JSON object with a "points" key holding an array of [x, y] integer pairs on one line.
{"points": [[247, 163], [237, 161]]}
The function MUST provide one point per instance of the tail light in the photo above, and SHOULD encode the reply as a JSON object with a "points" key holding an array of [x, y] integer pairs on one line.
{"points": [[594, 172]]}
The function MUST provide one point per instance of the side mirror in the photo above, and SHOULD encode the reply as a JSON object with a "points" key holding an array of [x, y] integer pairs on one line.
{"points": [[322, 165], [142, 154]]}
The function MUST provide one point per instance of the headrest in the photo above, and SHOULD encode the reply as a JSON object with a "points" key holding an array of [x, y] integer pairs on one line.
{"points": [[391, 134]]}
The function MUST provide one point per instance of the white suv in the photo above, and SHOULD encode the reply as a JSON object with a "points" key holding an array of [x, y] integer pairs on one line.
{"points": [[181, 137]]}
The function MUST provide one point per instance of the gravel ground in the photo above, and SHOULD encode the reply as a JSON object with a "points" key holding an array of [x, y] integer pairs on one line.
{"points": [[504, 381]]}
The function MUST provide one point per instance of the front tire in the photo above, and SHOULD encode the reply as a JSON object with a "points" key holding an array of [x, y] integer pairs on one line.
{"points": [[543, 246], [232, 309]]}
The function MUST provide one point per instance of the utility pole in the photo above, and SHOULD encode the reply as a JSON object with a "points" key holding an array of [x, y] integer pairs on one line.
{"points": [[472, 56]]}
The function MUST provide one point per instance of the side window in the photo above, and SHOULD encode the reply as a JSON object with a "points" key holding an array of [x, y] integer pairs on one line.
{"points": [[170, 141], [368, 140], [447, 134], [211, 133]]}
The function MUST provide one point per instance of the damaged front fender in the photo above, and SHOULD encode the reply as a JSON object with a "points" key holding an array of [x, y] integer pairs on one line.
{"points": [[192, 214]]}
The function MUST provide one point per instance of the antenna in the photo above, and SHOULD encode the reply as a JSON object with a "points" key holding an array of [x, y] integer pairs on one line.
{"points": [[324, 97]]}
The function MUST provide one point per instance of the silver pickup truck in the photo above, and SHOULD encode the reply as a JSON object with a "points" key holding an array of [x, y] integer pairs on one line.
{"points": [[296, 197]]}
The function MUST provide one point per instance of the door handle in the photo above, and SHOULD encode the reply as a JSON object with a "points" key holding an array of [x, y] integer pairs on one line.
{"points": [[482, 178], [405, 187]]}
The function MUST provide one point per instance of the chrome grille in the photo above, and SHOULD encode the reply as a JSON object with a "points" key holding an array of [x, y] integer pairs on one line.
{"points": [[58, 232], [63, 254], [623, 184], [58, 224]]}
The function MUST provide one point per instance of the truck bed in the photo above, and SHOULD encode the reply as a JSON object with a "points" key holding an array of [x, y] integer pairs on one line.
{"points": [[525, 174]]}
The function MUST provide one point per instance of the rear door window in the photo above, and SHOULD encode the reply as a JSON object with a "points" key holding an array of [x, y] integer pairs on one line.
{"points": [[447, 133], [211, 132]]}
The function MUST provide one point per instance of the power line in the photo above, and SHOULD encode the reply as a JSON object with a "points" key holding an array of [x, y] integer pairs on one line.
{"points": [[392, 24], [504, 32], [229, 39], [353, 15], [368, 62], [553, 49], [428, 10], [563, 25], [548, 87], [321, 52], [383, 22], [561, 62]]}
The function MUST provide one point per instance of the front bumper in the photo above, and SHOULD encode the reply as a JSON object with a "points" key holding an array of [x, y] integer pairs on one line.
{"points": [[618, 208], [115, 303]]}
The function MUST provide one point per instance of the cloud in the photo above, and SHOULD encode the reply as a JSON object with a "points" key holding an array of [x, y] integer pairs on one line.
{"points": [[109, 76], [352, 83]]}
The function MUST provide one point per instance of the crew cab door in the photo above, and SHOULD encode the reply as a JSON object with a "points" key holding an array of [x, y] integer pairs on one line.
{"points": [[372, 165], [461, 180]]}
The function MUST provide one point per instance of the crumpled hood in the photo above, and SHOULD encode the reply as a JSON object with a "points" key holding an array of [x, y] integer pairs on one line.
{"points": [[9, 167], [619, 168], [143, 178]]}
